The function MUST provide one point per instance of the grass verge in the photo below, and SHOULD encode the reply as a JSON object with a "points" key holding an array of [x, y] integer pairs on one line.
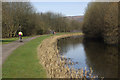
{"points": [[23, 62]]}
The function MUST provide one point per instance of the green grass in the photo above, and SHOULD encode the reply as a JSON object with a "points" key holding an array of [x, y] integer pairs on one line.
{"points": [[9, 40], [23, 62]]}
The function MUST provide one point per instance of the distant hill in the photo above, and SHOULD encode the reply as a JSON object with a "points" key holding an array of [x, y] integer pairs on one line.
{"points": [[77, 18]]}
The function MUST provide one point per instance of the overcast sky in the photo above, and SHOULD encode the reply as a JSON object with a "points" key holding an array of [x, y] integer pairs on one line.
{"points": [[66, 8]]}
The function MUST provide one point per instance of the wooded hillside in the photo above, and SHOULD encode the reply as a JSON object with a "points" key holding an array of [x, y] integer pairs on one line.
{"points": [[16, 14]]}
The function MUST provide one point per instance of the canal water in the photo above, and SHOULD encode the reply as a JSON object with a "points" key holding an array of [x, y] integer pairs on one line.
{"points": [[102, 58]]}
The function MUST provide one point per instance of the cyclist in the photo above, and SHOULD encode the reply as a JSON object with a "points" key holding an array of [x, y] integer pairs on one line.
{"points": [[20, 36]]}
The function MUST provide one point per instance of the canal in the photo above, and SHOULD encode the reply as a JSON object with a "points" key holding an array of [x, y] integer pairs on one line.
{"points": [[102, 58]]}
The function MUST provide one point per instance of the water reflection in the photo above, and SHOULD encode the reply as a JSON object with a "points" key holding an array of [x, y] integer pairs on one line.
{"points": [[91, 53]]}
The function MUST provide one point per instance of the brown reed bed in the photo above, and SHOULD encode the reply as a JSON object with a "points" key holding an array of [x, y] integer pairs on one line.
{"points": [[57, 66]]}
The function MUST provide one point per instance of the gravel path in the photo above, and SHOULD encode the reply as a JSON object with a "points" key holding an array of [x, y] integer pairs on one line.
{"points": [[7, 49]]}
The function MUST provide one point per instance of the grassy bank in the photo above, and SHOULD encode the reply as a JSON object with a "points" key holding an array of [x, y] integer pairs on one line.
{"points": [[23, 62]]}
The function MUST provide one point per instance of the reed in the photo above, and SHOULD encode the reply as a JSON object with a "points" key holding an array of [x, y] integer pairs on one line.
{"points": [[58, 67]]}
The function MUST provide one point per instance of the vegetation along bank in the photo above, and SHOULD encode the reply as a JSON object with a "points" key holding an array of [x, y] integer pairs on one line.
{"points": [[101, 20]]}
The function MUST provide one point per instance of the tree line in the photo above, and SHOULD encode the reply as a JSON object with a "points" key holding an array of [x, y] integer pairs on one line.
{"points": [[22, 16], [101, 21]]}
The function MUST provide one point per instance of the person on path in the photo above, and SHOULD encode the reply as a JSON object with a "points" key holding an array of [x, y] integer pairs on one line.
{"points": [[20, 36]]}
